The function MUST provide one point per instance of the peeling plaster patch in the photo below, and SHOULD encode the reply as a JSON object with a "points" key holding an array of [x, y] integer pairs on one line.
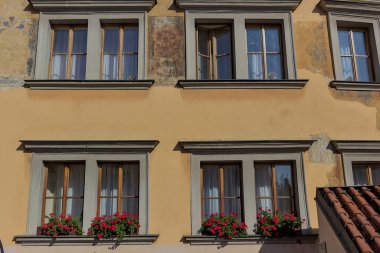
{"points": [[166, 49], [334, 177], [320, 152], [6, 84]]}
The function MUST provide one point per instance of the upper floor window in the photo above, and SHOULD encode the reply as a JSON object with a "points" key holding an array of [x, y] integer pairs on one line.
{"points": [[221, 190], [63, 190], [355, 55], [264, 49], [274, 187], [120, 52], [366, 174], [68, 53], [214, 53], [118, 188]]}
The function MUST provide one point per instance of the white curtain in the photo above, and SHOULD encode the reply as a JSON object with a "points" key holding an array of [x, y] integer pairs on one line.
{"points": [[130, 202], [232, 177], [110, 67], [54, 189], [74, 206], [211, 188], [263, 185], [108, 206], [58, 68], [360, 174], [223, 52], [375, 174], [60, 50], [111, 52], [255, 66]]}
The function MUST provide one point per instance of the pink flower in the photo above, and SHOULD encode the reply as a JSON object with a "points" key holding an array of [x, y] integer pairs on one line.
{"points": [[220, 233], [99, 235]]}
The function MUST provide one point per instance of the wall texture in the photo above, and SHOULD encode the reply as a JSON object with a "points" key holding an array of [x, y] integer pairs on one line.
{"points": [[170, 114]]}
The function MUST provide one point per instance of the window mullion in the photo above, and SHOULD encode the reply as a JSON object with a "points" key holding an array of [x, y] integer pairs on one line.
{"points": [[102, 55], [119, 186], [121, 38], [100, 173], [215, 67], [264, 52], [353, 55], [275, 205], [221, 188], [44, 195], [369, 175], [69, 53], [65, 186], [202, 196], [51, 52]]}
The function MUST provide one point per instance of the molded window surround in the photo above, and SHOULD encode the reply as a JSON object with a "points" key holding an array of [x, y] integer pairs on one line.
{"points": [[239, 20], [338, 20], [91, 153], [356, 152], [247, 153], [94, 24]]}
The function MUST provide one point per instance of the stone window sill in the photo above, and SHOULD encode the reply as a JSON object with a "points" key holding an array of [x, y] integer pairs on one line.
{"points": [[88, 84], [37, 240], [355, 86], [242, 84], [251, 239]]}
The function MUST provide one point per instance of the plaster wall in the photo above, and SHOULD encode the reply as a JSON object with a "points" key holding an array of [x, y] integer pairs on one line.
{"points": [[169, 114]]}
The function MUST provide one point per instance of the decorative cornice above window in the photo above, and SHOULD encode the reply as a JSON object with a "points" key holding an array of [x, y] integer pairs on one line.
{"points": [[93, 5], [356, 6], [273, 5], [88, 84], [51, 146], [357, 146], [242, 84], [245, 146]]}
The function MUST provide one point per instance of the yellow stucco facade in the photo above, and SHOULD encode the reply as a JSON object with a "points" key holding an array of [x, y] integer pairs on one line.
{"points": [[170, 114]]}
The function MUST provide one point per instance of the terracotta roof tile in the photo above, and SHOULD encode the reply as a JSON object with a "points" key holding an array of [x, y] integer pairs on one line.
{"points": [[358, 210]]}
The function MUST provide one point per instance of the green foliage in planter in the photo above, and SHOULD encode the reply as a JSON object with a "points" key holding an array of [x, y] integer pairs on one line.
{"points": [[115, 226], [61, 225], [225, 226], [277, 224]]}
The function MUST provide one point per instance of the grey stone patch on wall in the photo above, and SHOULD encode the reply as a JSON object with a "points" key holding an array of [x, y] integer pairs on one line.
{"points": [[320, 151], [6, 84], [166, 50]]}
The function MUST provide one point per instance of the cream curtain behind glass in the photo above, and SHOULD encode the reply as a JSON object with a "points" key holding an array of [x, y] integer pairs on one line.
{"points": [[263, 185], [232, 200], [75, 191], [108, 205], [211, 186], [54, 189], [130, 192]]}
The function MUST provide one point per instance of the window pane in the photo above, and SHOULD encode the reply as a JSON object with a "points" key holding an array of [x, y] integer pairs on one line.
{"points": [[58, 67], [223, 41], [111, 40], [130, 206], [232, 206], [360, 174], [348, 73], [263, 180], [131, 39], [110, 67], [255, 66], [363, 69], [231, 176], [375, 174], [254, 40], [53, 206], [285, 205], [359, 42], [272, 39], [274, 66], [55, 180], [284, 181], [80, 41], [75, 208], [203, 42], [130, 179], [344, 42], [211, 180], [130, 67], [76, 180], [210, 206], [264, 204], [224, 67], [61, 41], [203, 67], [108, 206], [78, 67], [109, 180]]}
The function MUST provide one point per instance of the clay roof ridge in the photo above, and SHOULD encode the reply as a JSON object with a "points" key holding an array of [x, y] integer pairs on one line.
{"points": [[347, 222], [360, 219]]}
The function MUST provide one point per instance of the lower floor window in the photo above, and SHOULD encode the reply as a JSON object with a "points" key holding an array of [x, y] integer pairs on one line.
{"points": [[366, 174], [118, 188], [63, 190], [275, 186], [221, 189]]}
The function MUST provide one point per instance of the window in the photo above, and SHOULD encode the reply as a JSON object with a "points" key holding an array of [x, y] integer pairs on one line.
{"points": [[264, 48], [221, 191], [366, 174], [214, 54], [355, 54], [68, 54], [274, 186], [118, 188], [120, 52], [63, 190]]}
